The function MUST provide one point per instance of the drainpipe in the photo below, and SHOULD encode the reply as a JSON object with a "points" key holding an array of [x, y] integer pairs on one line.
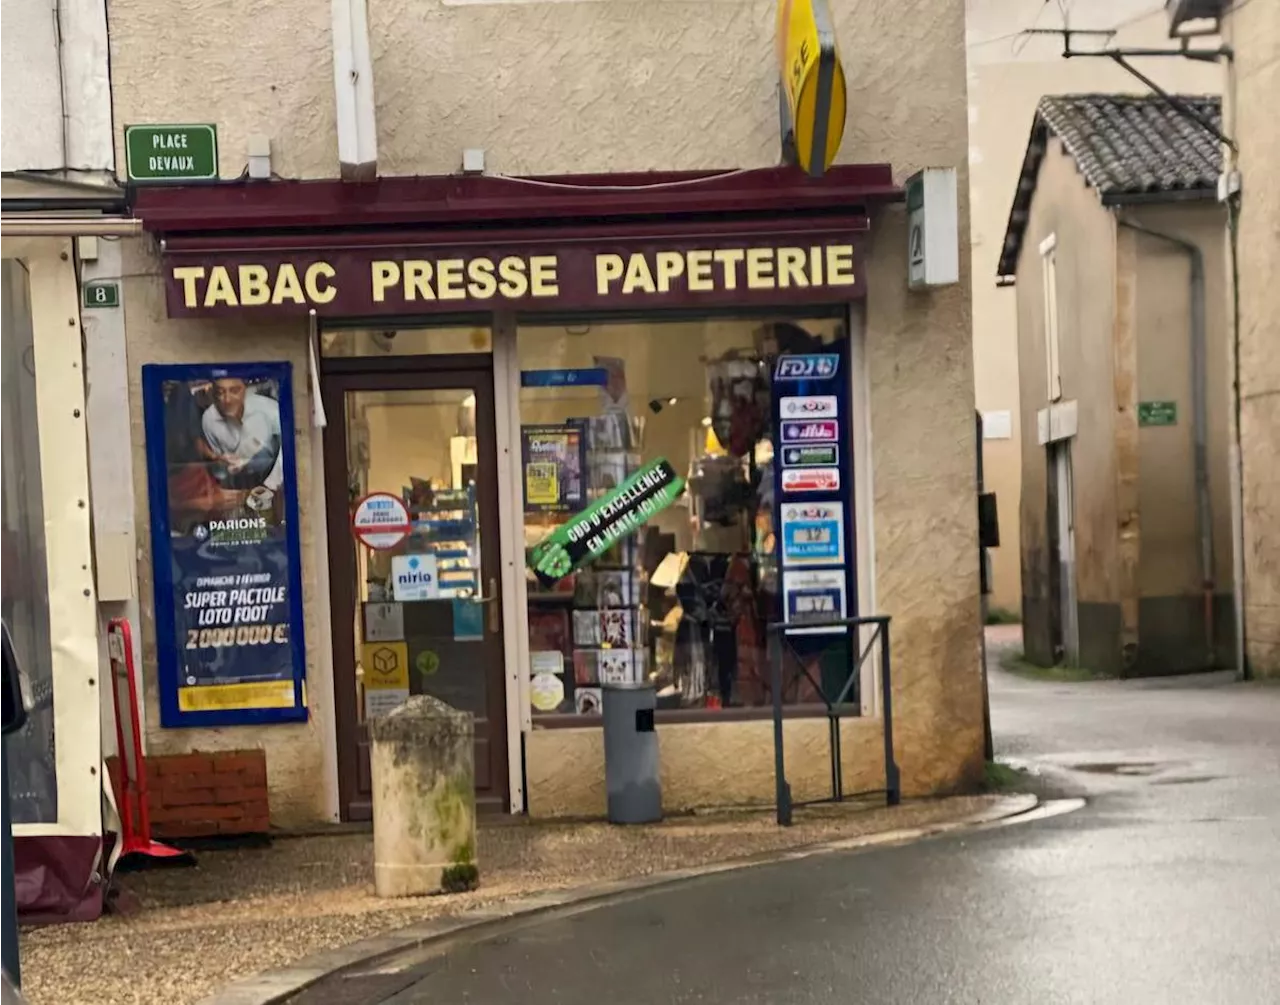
{"points": [[1199, 420], [62, 83], [356, 113]]}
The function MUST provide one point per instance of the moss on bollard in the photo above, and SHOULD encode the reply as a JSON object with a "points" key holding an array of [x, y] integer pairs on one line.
{"points": [[462, 878]]}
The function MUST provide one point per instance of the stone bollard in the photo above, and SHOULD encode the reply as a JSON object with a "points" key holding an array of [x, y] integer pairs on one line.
{"points": [[421, 758]]}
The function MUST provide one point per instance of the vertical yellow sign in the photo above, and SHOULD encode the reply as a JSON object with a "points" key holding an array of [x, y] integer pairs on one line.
{"points": [[813, 84]]}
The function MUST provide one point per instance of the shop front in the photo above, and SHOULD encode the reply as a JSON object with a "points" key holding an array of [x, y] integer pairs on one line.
{"points": [[557, 433], [53, 590]]}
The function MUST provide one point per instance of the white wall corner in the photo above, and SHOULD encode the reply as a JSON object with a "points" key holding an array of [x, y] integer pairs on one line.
{"points": [[86, 78], [353, 90]]}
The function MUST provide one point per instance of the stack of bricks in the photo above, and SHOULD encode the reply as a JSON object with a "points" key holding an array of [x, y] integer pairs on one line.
{"points": [[204, 794]]}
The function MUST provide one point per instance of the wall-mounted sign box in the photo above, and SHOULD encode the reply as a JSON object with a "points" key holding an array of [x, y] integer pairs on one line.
{"points": [[933, 228], [171, 153]]}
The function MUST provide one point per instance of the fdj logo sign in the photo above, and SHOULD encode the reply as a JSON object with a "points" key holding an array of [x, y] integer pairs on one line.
{"points": [[808, 432], [818, 366]]}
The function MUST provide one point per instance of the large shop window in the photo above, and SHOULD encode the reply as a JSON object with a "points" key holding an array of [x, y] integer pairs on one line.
{"points": [[29, 756], [685, 601]]}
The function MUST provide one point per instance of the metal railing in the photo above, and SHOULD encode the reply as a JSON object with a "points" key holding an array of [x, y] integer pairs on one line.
{"points": [[837, 707]]}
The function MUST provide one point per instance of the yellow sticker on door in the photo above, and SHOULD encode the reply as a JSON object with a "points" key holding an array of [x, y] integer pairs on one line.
{"points": [[386, 666]]}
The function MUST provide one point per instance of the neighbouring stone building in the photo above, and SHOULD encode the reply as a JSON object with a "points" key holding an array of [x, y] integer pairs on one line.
{"points": [[64, 212], [1252, 30], [1009, 72], [1115, 243]]}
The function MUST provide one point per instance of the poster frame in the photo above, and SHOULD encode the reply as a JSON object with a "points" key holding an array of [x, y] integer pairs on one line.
{"points": [[168, 657]]}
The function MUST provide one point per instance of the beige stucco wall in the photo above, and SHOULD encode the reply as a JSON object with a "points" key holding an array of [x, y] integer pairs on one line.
{"points": [[295, 753], [1170, 563], [611, 86], [1124, 329], [1065, 207], [1008, 74], [707, 764], [1254, 31]]}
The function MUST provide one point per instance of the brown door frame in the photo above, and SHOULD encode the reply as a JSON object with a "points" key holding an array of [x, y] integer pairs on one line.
{"points": [[402, 373]]}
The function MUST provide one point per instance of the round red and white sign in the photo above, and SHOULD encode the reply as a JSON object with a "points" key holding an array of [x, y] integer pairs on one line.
{"points": [[380, 521]]}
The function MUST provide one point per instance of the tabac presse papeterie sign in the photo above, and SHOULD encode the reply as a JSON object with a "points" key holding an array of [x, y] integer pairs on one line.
{"points": [[813, 268]]}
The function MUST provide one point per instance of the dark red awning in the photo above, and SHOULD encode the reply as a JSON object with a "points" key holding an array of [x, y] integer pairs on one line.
{"points": [[482, 201]]}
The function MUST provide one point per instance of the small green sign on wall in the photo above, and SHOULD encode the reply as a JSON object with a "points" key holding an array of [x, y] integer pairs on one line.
{"points": [[1157, 413], [171, 153], [101, 294]]}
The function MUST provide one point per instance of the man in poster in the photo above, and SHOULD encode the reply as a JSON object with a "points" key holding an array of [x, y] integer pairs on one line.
{"points": [[223, 449], [242, 429]]}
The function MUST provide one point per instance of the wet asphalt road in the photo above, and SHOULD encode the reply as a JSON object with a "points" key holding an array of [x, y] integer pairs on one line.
{"points": [[1164, 889]]}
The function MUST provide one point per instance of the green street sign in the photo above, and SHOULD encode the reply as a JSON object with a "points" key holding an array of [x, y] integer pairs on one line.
{"points": [[101, 294], [605, 522], [1157, 413], [171, 153]]}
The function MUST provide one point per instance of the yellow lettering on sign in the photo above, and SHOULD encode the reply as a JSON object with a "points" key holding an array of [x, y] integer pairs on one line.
{"points": [[315, 272], [638, 275], [417, 280], [542, 276], [514, 282], [729, 259], [385, 275], [516, 276], [482, 284], [791, 267], [608, 269], [287, 286], [187, 276], [699, 268], [840, 265], [760, 269], [449, 279], [815, 264], [255, 289], [670, 266], [220, 289]]}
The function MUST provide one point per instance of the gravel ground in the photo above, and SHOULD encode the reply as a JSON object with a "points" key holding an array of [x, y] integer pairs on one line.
{"points": [[250, 909]]}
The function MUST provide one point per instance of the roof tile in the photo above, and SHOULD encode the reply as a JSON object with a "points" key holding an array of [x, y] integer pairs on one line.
{"points": [[1125, 146]]}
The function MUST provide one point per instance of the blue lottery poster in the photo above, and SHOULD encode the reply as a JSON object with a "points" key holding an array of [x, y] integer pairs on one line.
{"points": [[812, 489], [222, 485]]}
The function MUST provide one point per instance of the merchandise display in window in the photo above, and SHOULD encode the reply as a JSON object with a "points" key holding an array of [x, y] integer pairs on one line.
{"points": [[683, 597]]}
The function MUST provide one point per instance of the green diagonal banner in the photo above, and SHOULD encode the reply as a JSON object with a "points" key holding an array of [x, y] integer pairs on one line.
{"points": [[605, 522]]}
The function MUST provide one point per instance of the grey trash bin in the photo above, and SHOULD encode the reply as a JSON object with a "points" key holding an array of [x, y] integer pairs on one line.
{"points": [[631, 753]]}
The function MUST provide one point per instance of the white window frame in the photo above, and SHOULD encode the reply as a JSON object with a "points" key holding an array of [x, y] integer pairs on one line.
{"points": [[1052, 341]]}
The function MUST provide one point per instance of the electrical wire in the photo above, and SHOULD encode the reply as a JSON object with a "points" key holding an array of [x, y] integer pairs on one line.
{"points": [[647, 187]]}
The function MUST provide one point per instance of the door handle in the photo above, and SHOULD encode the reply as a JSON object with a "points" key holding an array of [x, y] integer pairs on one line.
{"points": [[495, 615]]}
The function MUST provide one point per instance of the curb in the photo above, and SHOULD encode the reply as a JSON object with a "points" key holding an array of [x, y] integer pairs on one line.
{"points": [[275, 986]]}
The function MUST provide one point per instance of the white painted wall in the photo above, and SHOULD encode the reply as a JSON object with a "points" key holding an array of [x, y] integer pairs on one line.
{"points": [[55, 101]]}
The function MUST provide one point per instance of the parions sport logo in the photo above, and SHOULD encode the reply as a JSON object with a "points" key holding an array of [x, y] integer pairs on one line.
{"points": [[238, 530]]}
